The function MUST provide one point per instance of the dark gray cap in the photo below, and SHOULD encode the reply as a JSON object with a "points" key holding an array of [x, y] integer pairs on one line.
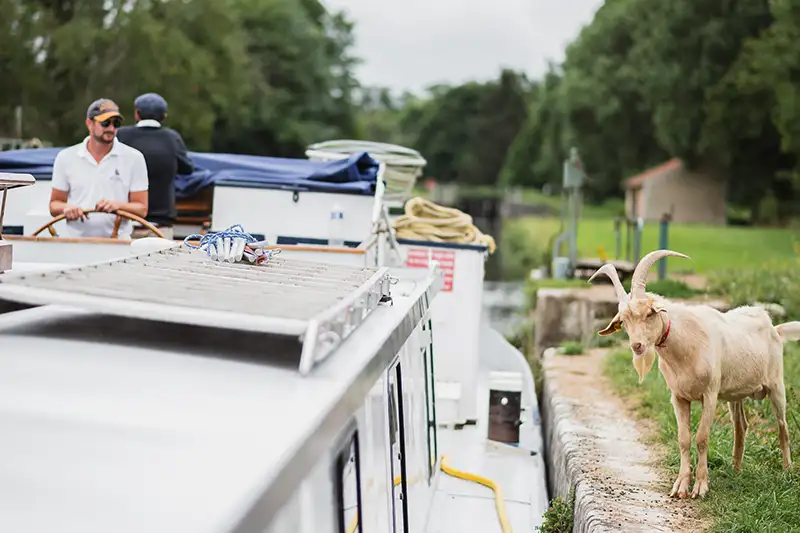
{"points": [[151, 105]]}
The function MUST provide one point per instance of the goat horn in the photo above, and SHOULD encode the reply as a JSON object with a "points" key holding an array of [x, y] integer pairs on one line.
{"points": [[639, 277], [609, 270]]}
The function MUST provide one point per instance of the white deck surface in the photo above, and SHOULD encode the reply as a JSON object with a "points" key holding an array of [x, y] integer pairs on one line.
{"points": [[29, 267], [99, 436], [460, 505]]}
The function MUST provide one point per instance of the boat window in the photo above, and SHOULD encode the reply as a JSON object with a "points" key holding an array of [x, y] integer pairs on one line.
{"points": [[348, 487], [398, 450], [393, 429], [430, 401]]}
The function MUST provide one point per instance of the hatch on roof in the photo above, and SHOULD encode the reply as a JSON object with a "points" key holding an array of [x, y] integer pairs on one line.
{"points": [[319, 303]]}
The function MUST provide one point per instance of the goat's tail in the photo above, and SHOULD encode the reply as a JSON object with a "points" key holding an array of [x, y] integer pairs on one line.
{"points": [[788, 331]]}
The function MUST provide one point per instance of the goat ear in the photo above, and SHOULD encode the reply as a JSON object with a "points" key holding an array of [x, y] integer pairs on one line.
{"points": [[659, 309], [614, 326]]}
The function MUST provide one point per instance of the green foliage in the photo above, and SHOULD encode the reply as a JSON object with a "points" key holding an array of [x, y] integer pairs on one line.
{"points": [[535, 156], [466, 130], [607, 341], [772, 282], [521, 252], [768, 209], [572, 348], [762, 497], [248, 76], [559, 516], [668, 288], [713, 83]]}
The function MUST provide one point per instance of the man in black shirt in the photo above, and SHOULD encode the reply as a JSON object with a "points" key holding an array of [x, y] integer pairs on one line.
{"points": [[165, 155]]}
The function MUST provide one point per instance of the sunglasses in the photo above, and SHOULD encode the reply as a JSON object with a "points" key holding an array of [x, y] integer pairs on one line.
{"points": [[111, 122]]}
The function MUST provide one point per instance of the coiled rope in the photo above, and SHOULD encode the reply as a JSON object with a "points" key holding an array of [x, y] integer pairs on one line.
{"points": [[426, 221]]}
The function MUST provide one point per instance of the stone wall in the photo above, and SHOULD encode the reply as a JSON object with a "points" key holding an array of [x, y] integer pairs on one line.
{"points": [[571, 315]]}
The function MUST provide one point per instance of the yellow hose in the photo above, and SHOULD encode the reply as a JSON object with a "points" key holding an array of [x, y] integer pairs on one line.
{"points": [[426, 221], [500, 504], [352, 527]]}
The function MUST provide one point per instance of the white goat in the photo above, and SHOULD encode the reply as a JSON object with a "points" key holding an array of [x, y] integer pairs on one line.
{"points": [[704, 355]]}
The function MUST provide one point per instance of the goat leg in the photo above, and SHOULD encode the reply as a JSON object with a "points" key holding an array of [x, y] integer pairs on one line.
{"points": [[683, 412], [777, 396], [739, 420], [703, 432]]}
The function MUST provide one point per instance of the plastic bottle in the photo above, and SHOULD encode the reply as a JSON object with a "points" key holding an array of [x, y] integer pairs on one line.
{"points": [[336, 227]]}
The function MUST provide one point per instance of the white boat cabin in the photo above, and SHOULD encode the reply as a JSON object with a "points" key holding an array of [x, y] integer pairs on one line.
{"points": [[168, 393]]}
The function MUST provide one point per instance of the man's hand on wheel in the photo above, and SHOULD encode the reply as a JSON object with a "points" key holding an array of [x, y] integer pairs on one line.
{"points": [[72, 212], [107, 206]]}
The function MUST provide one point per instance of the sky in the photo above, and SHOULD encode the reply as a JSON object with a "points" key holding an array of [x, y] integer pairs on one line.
{"points": [[411, 44]]}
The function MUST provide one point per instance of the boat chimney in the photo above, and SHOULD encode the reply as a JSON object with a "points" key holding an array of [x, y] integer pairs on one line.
{"points": [[9, 181]]}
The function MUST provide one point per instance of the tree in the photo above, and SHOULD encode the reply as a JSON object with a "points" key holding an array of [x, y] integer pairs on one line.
{"points": [[465, 131], [265, 77]]}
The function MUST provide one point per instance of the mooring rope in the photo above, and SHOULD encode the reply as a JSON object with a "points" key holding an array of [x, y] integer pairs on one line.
{"points": [[426, 221]]}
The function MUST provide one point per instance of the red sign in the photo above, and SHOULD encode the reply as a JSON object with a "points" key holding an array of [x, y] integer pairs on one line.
{"points": [[418, 258]]}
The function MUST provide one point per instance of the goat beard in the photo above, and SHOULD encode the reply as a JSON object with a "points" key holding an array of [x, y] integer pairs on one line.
{"points": [[643, 363]]}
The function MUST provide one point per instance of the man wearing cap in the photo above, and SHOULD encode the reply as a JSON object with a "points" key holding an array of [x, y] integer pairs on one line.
{"points": [[165, 154], [99, 173]]}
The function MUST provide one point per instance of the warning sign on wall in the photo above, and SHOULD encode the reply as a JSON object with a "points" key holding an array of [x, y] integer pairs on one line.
{"points": [[418, 258]]}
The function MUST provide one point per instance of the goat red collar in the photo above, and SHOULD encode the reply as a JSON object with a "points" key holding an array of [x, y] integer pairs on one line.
{"points": [[665, 335]]}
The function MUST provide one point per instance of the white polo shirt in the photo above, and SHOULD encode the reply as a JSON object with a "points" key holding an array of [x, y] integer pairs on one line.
{"points": [[122, 171]]}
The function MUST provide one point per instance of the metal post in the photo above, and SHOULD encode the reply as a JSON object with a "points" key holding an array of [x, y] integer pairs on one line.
{"points": [[3, 210], [663, 242], [572, 181], [618, 236], [628, 240], [637, 242], [573, 228], [578, 200], [18, 121]]}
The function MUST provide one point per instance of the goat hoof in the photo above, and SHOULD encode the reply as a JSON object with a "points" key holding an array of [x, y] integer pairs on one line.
{"points": [[700, 489], [681, 488]]}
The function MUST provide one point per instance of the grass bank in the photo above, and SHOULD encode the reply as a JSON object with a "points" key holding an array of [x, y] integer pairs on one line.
{"points": [[712, 248], [762, 497]]}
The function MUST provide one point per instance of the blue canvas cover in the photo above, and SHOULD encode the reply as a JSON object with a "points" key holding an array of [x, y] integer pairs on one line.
{"points": [[355, 175]]}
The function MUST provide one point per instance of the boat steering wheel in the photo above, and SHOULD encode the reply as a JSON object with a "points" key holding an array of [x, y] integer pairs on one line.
{"points": [[120, 215]]}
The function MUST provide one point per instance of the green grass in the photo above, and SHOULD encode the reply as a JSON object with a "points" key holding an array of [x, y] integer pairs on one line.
{"points": [[760, 498], [776, 282], [668, 288], [559, 516], [712, 248]]}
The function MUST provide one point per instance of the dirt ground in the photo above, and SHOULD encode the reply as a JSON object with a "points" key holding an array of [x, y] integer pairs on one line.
{"points": [[621, 468]]}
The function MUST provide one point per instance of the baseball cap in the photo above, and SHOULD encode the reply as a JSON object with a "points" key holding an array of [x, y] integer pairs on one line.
{"points": [[102, 109], [151, 105]]}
